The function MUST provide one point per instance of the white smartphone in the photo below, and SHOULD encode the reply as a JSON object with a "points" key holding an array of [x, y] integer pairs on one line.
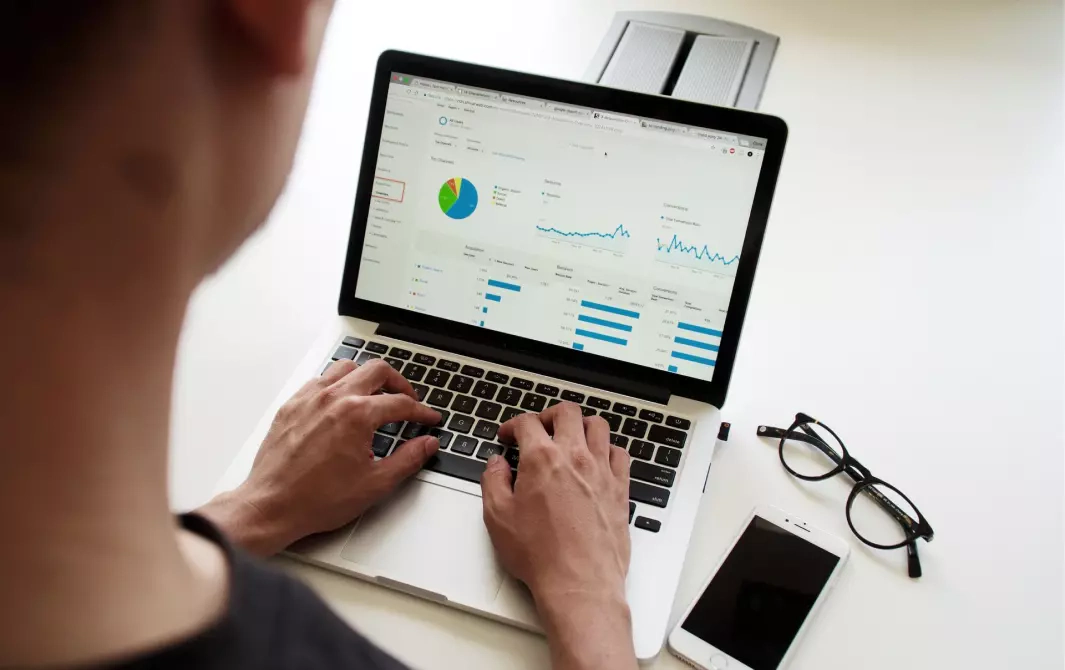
{"points": [[761, 596]]}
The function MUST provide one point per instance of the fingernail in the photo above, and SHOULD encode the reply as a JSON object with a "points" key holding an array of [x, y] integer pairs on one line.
{"points": [[494, 460], [432, 445]]}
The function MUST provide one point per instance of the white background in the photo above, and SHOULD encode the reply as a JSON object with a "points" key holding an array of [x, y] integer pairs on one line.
{"points": [[910, 295]]}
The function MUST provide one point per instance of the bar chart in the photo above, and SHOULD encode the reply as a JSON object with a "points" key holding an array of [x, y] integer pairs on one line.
{"points": [[603, 322], [695, 343]]}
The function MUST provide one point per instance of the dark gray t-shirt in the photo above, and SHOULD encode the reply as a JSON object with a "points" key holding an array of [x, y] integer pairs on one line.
{"points": [[272, 621]]}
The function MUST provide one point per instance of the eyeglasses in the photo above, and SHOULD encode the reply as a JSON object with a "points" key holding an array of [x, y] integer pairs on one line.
{"points": [[877, 512]]}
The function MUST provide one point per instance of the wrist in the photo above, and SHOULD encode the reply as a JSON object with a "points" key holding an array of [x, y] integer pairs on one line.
{"points": [[246, 521], [588, 627]]}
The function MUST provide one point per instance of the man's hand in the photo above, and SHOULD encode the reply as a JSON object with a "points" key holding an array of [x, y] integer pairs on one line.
{"points": [[564, 530], [315, 470]]}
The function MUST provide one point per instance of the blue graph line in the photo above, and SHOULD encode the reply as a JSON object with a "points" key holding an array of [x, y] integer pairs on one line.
{"points": [[618, 232], [703, 254]]}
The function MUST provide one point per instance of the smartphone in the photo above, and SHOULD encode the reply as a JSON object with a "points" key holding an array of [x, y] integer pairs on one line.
{"points": [[762, 595]]}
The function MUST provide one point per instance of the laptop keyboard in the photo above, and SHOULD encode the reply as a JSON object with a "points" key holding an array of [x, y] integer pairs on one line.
{"points": [[474, 401]]}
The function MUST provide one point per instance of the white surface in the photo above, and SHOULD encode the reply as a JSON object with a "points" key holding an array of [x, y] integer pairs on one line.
{"points": [[909, 294]]}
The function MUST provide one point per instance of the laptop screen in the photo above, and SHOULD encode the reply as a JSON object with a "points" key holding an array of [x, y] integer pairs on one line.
{"points": [[610, 234]]}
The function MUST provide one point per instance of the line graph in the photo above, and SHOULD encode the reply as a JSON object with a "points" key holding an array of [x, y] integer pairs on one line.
{"points": [[613, 241], [676, 252]]}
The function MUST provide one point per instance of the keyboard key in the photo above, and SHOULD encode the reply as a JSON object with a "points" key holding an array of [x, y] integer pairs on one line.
{"points": [[512, 457], [587, 411], [437, 377], [486, 390], [573, 396], [644, 523], [365, 357], [651, 415], [598, 403], [440, 398], [450, 366], [396, 363], [619, 440], [677, 422], [354, 342], [632, 509], [486, 430], [413, 430], [645, 493], [488, 450], [613, 420], [391, 428], [424, 359], [444, 414], [509, 413], [634, 428], [400, 353], [381, 445], [489, 410], [456, 466], [622, 408], [343, 352], [420, 390], [547, 390], [667, 436], [461, 423], [414, 372], [667, 456], [464, 445], [443, 436], [533, 403], [377, 347], [497, 377], [508, 396], [652, 473], [464, 404], [641, 449], [553, 401], [473, 371], [523, 384], [460, 384]]}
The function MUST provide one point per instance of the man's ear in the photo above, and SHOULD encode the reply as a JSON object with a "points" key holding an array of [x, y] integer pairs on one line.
{"points": [[277, 29]]}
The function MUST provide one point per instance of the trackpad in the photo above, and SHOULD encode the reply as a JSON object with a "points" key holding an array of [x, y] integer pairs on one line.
{"points": [[432, 538]]}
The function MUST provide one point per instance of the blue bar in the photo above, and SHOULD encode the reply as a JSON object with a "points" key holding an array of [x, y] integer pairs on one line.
{"points": [[672, 368], [578, 346], [503, 285], [610, 308], [484, 310], [492, 296], [600, 336], [695, 343], [604, 322], [694, 359], [482, 324], [699, 329]]}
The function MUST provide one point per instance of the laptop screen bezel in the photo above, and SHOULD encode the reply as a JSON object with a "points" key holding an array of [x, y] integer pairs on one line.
{"points": [[773, 129]]}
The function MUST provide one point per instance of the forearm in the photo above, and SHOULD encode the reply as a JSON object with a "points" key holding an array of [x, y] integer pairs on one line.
{"points": [[245, 524], [587, 631]]}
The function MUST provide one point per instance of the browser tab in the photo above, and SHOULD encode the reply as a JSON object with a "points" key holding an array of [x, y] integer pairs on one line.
{"points": [[651, 124], [567, 110], [615, 118], [477, 93], [714, 136], [432, 85], [521, 102]]}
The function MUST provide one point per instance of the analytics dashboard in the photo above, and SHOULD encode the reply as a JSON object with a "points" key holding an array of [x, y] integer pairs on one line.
{"points": [[592, 230]]}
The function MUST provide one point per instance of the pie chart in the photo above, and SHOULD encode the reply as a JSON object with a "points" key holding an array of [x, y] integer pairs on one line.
{"points": [[458, 198]]}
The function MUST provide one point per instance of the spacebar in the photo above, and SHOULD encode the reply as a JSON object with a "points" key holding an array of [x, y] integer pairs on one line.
{"points": [[456, 466]]}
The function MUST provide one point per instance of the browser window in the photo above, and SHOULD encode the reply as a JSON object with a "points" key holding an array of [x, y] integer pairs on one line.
{"points": [[587, 229]]}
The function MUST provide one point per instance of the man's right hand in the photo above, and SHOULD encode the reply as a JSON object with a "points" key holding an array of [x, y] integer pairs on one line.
{"points": [[563, 529]]}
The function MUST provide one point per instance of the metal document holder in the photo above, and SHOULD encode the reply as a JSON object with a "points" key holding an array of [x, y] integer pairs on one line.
{"points": [[685, 56]]}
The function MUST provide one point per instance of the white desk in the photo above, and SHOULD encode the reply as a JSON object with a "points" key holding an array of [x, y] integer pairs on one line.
{"points": [[910, 294]]}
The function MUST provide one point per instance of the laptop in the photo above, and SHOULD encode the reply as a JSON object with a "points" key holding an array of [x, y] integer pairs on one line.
{"points": [[520, 241]]}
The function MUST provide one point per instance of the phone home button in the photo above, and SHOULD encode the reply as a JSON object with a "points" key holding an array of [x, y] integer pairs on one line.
{"points": [[718, 662]]}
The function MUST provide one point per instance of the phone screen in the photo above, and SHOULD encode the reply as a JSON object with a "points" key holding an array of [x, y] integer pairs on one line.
{"points": [[757, 601]]}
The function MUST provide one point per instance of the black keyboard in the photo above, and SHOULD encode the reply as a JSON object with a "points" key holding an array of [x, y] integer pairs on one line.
{"points": [[474, 400]]}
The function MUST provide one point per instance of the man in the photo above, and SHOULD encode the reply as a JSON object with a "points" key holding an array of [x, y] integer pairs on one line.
{"points": [[142, 142]]}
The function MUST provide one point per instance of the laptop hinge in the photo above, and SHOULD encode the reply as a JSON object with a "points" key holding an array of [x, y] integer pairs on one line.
{"points": [[515, 359]]}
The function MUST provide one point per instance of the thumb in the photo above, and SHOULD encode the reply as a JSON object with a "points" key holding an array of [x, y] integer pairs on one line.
{"points": [[497, 494], [405, 461]]}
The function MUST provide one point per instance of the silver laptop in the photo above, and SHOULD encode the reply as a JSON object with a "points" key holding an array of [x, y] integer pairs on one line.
{"points": [[519, 241]]}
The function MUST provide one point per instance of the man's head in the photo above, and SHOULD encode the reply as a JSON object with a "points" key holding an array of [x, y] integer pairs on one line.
{"points": [[147, 132]]}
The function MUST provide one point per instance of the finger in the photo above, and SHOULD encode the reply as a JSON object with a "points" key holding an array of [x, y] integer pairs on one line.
{"points": [[564, 421], [384, 409], [336, 371], [497, 492], [376, 376], [597, 434], [402, 463], [525, 429], [619, 465]]}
